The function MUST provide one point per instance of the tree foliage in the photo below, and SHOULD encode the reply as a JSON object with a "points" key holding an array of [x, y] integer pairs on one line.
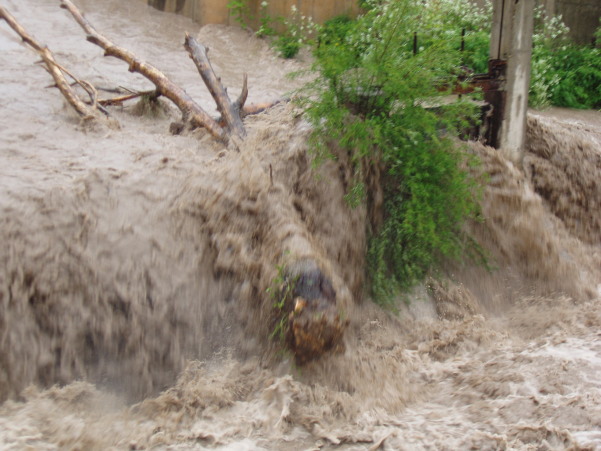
{"points": [[381, 104]]}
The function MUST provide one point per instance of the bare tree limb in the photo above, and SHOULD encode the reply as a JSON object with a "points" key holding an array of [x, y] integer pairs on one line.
{"points": [[223, 128], [57, 71], [256, 108], [229, 114], [247, 110], [190, 109], [120, 99], [88, 87]]}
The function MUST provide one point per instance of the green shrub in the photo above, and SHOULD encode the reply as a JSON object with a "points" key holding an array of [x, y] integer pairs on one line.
{"points": [[562, 73], [373, 99], [579, 72], [445, 20], [287, 46], [240, 11], [296, 30], [333, 31]]}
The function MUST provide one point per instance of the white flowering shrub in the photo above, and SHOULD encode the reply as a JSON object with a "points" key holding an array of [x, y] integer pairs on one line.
{"points": [[562, 73], [266, 27], [299, 30], [447, 19]]}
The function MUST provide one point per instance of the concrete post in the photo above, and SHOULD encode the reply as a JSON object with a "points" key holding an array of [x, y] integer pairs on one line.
{"points": [[511, 41], [513, 127]]}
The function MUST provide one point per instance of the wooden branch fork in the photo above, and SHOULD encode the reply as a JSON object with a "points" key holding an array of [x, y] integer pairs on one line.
{"points": [[223, 128], [192, 112], [190, 109], [230, 113]]}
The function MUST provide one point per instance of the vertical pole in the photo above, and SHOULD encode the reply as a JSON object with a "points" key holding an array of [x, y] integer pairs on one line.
{"points": [[510, 53], [513, 126], [496, 69], [550, 8]]}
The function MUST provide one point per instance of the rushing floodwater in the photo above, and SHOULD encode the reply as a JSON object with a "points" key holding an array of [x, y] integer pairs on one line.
{"points": [[134, 266]]}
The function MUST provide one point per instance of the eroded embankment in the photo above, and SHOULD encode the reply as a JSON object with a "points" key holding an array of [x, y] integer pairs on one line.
{"points": [[108, 271], [563, 165], [525, 375], [110, 278]]}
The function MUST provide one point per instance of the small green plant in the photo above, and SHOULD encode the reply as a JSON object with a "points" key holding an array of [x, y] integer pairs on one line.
{"points": [[367, 5], [266, 22], [287, 46], [299, 31], [240, 11], [280, 291]]}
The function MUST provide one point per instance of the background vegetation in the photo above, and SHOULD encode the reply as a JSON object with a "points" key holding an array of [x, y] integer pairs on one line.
{"points": [[563, 73], [374, 101]]}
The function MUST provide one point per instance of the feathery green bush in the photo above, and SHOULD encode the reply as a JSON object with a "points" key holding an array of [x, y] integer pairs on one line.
{"points": [[376, 100]]}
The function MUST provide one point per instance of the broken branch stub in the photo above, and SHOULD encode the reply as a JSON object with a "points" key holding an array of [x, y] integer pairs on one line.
{"points": [[315, 326], [229, 113], [57, 71], [241, 100], [190, 109]]}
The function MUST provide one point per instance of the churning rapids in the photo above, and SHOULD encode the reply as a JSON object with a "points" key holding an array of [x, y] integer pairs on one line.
{"points": [[134, 265]]}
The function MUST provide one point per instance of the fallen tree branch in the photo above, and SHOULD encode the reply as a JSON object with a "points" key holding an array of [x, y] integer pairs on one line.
{"points": [[86, 86], [57, 72], [229, 124], [256, 108], [120, 99], [229, 114], [253, 108], [177, 128], [191, 110]]}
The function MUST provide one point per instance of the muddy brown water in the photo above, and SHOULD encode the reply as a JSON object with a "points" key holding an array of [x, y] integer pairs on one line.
{"points": [[134, 265]]}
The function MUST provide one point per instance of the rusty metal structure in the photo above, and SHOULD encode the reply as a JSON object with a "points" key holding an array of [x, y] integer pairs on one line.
{"points": [[491, 84], [506, 84]]}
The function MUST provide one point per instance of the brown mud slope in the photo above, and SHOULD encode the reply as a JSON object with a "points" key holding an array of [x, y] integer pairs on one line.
{"points": [[568, 181], [447, 374], [134, 261], [127, 252], [103, 279]]}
